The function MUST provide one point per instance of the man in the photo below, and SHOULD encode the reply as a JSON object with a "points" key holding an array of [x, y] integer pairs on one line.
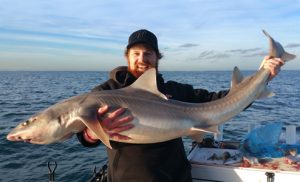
{"points": [[165, 161]]}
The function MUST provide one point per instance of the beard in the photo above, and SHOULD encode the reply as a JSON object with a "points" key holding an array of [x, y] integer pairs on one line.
{"points": [[139, 69]]}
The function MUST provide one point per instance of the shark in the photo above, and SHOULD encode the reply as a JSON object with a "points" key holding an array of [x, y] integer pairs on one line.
{"points": [[156, 118]]}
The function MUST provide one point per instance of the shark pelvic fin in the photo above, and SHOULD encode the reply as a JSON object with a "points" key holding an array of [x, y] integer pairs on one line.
{"points": [[266, 94], [147, 82], [212, 129], [198, 137]]}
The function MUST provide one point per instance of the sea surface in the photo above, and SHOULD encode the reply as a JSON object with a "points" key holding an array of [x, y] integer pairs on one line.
{"points": [[25, 93]]}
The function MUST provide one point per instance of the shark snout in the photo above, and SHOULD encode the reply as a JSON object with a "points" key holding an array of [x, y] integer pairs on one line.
{"points": [[16, 138]]}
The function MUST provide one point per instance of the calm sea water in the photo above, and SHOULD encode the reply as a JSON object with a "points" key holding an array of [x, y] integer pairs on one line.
{"points": [[25, 93]]}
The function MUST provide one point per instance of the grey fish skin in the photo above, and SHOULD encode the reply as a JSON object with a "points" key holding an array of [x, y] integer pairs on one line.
{"points": [[156, 118]]}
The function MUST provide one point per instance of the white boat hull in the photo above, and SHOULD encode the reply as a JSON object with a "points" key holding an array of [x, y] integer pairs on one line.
{"points": [[207, 173]]}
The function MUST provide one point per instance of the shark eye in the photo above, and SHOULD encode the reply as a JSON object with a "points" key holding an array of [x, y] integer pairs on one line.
{"points": [[26, 123]]}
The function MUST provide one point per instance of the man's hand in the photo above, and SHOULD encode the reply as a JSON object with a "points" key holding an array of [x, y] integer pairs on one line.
{"points": [[273, 65], [112, 124]]}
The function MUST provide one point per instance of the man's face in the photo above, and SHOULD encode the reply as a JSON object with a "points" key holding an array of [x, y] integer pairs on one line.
{"points": [[141, 58]]}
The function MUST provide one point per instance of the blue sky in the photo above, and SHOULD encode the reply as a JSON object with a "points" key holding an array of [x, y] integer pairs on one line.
{"points": [[192, 34]]}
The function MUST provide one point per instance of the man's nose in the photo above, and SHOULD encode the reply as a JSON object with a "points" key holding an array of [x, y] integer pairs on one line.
{"points": [[143, 58]]}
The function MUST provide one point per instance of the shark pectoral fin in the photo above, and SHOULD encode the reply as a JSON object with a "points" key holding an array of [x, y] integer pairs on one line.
{"points": [[97, 129]]}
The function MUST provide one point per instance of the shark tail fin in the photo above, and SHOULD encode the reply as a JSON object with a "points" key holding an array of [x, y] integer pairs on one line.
{"points": [[277, 46], [287, 56]]}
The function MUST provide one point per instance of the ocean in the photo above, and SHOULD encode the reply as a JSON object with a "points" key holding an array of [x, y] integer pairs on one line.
{"points": [[25, 93]]}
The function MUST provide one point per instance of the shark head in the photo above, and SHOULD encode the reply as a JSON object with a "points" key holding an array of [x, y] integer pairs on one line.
{"points": [[28, 131], [42, 128]]}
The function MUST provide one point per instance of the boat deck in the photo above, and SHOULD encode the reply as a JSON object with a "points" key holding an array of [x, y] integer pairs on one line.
{"points": [[209, 164]]}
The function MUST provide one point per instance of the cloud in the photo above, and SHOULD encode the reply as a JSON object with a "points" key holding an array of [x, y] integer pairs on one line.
{"points": [[206, 54], [221, 55], [252, 52], [211, 55], [292, 45], [255, 54], [188, 45], [244, 51]]}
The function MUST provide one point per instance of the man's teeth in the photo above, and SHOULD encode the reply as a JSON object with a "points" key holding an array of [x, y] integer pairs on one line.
{"points": [[142, 67]]}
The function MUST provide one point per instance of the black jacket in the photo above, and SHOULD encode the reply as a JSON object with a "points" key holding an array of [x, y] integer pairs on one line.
{"points": [[158, 162]]}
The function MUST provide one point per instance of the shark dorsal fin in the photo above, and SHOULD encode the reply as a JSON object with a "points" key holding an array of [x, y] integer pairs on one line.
{"points": [[237, 77], [147, 82]]}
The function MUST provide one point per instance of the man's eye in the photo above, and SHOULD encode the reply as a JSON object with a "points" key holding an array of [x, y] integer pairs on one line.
{"points": [[147, 53]]}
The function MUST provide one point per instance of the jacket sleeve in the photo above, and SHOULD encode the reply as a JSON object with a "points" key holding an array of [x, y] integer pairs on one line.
{"points": [[202, 95], [186, 93], [108, 85], [84, 142]]}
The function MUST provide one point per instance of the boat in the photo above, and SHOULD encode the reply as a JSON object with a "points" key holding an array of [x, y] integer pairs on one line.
{"points": [[209, 163]]}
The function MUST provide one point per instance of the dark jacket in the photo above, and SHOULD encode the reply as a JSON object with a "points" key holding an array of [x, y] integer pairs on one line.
{"points": [[158, 162]]}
